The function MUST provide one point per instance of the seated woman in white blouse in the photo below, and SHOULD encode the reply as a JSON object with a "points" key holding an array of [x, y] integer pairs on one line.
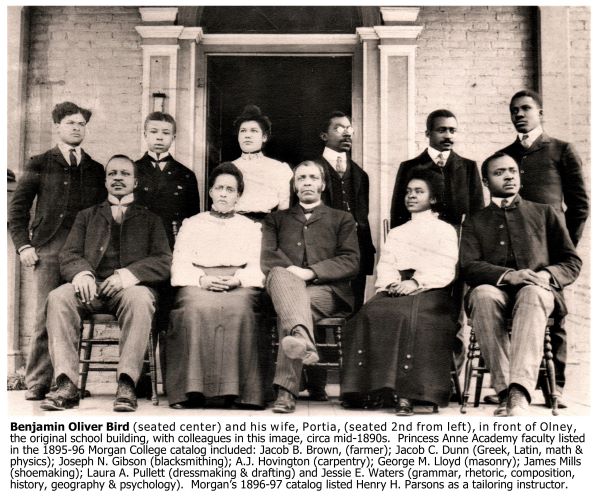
{"points": [[212, 343], [267, 181], [401, 340]]}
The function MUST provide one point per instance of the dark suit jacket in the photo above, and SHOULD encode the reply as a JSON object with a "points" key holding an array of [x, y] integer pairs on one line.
{"points": [[329, 238], [466, 193], [172, 194], [539, 240], [360, 183], [46, 178], [144, 246], [551, 173]]}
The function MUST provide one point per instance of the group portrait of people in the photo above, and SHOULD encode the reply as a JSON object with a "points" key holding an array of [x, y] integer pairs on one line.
{"points": [[294, 245]]}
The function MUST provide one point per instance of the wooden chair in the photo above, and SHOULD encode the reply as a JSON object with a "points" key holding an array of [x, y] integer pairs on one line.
{"points": [[547, 372], [89, 364]]}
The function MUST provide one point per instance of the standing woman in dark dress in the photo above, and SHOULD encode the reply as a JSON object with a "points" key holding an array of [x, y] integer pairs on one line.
{"points": [[401, 340], [212, 343]]}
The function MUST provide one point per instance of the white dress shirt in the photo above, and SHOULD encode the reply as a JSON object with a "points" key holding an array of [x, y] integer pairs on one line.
{"points": [[331, 156], [532, 135], [434, 154], [65, 149]]}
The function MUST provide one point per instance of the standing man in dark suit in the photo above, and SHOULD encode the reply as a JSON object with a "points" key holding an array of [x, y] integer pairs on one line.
{"points": [[165, 186], [116, 251], [463, 193], [517, 256], [347, 188], [61, 181], [551, 173], [309, 254]]}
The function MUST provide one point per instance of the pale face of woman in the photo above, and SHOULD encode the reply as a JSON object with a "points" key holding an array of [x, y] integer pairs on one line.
{"points": [[224, 193], [418, 196], [251, 137]]}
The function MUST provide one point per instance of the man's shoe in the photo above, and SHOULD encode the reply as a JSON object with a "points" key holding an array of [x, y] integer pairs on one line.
{"points": [[285, 402], [297, 346], [126, 399], [64, 397], [502, 409], [317, 394], [404, 408], [36, 392], [518, 404]]}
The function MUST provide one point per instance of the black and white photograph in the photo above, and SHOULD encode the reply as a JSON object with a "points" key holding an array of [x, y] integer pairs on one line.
{"points": [[343, 212]]}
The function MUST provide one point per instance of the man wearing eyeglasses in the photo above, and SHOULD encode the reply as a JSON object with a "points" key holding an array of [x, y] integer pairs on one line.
{"points": [[347, 189], [463, 193]]}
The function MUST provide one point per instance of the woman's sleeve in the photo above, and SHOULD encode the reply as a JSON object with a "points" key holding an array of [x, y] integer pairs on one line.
{"points": [[437, 263], [183, 271], [283, 192], [251, 275], [388, 270]]}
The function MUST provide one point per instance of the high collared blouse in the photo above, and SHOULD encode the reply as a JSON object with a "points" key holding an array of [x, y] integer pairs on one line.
{"points": [[425, 244], [208, 241], [266, 183]]}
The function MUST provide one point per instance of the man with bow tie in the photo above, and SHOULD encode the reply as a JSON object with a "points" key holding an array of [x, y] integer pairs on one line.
{"points": [[165, 186], [115, 253], [517, 257], [310, 254], [462, 194], [61, 181], [551, 172]]}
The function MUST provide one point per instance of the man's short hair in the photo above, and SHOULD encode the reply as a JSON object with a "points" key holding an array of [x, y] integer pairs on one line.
{"points": [[69, 108], [227, 168], [485, 166], [126, 158], [324, 127], [438, 113], [159, 116], [434, 181], [308, 163], [528, 93]]}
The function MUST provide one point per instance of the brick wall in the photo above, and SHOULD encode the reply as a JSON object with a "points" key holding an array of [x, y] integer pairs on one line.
{"points": [[92, 56], [471, 60]]}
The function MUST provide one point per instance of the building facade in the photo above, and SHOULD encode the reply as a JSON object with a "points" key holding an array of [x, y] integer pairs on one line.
{"points": [[387, 66]]}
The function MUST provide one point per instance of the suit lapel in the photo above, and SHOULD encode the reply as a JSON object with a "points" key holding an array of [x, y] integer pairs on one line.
{"points": [[539, 143], [59, 158], [297, 213], [316, 215]]}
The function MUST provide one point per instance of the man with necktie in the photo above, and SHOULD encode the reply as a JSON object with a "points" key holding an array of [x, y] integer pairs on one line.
{"points": [[62, 181], [309, 254], [551, 173], [116, 252], [462, 194]]}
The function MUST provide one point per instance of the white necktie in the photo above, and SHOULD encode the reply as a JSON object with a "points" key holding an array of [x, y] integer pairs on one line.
{"points": [[339, 166], [440, 160], [525, 141]]}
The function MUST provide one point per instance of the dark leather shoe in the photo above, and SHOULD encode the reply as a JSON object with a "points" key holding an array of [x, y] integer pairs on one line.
{"points": [[518, 404], [317, 394], [64, 397], [285, 402], [126, 399], [502, 409], [404, 408], [36, 393]]}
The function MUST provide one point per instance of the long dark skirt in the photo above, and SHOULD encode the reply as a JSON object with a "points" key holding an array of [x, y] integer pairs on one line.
{"points": [[212, 346], [401, 343]]}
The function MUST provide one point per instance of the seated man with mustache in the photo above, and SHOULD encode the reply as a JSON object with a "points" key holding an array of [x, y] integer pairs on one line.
{"points": [[115, 253], [309, 253], [517, 257]]}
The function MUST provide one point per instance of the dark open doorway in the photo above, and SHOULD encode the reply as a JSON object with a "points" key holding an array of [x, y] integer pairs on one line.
{"points": [[294, 92]]}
